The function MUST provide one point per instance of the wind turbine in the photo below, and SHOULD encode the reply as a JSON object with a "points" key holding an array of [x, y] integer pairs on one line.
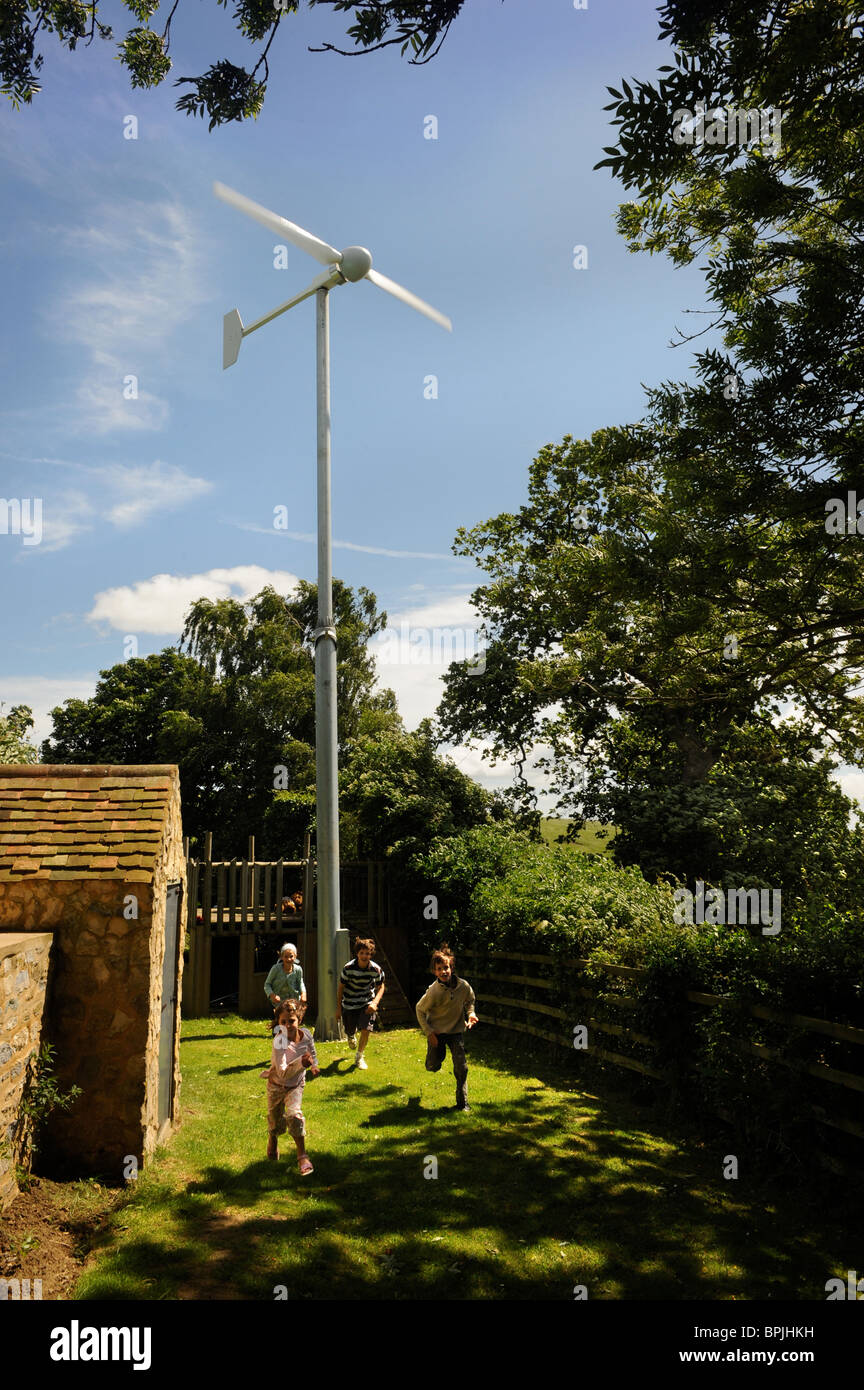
{"points": [[341, 267]]}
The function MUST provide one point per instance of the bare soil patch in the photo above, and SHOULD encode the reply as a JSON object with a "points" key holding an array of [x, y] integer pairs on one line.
{"points": [[48, 1231]]}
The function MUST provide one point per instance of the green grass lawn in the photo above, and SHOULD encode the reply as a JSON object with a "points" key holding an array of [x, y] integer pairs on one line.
{"points": [[543, 1186]]}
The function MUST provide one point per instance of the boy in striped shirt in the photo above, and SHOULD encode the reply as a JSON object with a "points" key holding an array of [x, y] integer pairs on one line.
{"points": [[361, 986]]}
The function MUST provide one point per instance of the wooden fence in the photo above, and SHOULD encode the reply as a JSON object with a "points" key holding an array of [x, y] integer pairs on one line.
{"points": [[538, 1011]]}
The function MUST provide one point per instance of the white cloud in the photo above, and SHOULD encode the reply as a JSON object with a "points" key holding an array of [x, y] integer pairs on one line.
{"points": [[101, 408], [470, 760], [121, 316], [64, 516], [150, 488], [123, 496], [159, 604], [406, 652], [446, 627], [851, 780], [43, 693], [453, 612]]}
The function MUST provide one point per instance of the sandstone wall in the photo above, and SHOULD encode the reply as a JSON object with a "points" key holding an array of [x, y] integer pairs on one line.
{"points": [[98, 1009], [23, 980]]}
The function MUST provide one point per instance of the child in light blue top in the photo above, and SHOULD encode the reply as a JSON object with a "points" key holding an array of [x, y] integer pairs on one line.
{"points": [[285, 980]]}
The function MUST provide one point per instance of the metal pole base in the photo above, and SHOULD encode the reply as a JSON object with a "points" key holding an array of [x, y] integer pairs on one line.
{"points": [[328, 1029]]}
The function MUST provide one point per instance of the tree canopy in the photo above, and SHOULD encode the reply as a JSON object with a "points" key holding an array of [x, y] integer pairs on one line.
{"points": [[670, 614], [225, 92], [774, 422], [397, 793]]}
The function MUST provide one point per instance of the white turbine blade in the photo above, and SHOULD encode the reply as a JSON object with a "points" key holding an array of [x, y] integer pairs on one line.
{"points": [[384, 283], [327, 255]]}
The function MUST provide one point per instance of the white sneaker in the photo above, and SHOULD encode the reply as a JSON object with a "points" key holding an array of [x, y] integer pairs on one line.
{"points": [[362, 1063], [352, 1042]]}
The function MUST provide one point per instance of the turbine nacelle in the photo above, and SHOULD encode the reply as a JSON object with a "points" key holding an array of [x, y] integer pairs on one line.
{"points": [[355, 262]]}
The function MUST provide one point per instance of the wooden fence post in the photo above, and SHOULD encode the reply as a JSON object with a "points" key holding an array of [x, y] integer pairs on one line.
{"points": [[250, 894], [202, 983]]}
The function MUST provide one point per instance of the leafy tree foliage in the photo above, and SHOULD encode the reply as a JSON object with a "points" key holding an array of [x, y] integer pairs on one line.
{"points": [[768, 813], [397, 793], [14, 744], [235, 711], [501, 890], [669, 597], [287, 819], [226, 91], [781, 225], [631, 628]]}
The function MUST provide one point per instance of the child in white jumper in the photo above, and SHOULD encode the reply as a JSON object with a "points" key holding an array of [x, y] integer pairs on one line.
{"points": [[293, 1055], [444, 1012]]}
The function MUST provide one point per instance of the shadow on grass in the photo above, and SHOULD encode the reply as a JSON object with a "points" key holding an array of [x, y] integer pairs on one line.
{"points": [[530, 1199], [340, 1066]]}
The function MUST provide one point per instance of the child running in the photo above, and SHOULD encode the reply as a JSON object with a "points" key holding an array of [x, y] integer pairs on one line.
{"points": [[293, 1054], [360, 989], [444, 1012], [285, 980]]}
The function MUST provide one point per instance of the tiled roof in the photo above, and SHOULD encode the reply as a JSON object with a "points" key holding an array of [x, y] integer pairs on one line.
{"points": [[65, 821]]}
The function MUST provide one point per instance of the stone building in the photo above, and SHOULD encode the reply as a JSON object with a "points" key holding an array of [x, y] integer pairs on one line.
{"points": [[92, 867]]}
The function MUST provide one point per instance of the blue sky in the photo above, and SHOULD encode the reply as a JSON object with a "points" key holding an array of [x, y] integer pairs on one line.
{"points": [[120, 262]]}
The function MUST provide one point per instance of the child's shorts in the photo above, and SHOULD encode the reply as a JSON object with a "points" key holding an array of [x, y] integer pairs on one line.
{"points": [[283, 1110], [353, 1019]]}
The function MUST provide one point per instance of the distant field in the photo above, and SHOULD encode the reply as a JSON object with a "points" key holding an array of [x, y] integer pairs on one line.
{"points": [[589, 838]]}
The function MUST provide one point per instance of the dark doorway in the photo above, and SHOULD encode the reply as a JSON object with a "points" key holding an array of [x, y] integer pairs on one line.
{"points": [[169, 1005], [224, 973]]}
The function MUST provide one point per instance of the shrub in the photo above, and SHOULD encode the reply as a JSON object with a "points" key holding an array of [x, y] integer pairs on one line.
{"points": [[41, 1095]]}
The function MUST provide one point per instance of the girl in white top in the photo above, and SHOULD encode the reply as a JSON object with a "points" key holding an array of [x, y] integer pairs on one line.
{"points": [[293, 1054]]}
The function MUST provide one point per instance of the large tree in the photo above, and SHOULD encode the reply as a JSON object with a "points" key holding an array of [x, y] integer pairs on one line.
{"points": [[398, 793], [225, 92], [235, 710], [630, 627], [773, 421], [671, 593]]}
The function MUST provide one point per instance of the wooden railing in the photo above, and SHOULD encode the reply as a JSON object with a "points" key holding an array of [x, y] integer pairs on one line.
{"points": [[236, 895], [239, 895]]}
